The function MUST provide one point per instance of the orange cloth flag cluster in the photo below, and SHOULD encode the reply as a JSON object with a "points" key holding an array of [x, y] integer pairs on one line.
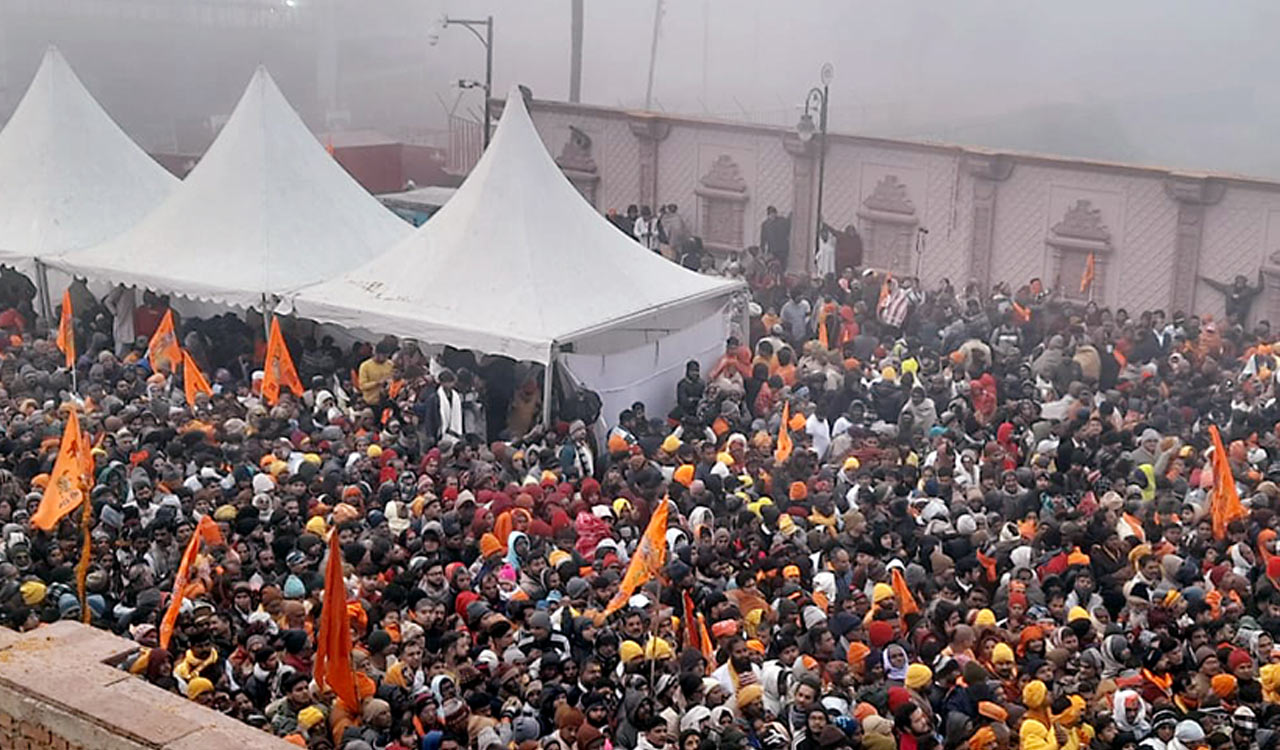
{"points": [[906, 602], [278, 372], [163, 350], [333, 643], [647, 561], [66, 330], [207, 532], [783, 451], [193, 381], [69, 481], [1224, 502], [1086, 278]]}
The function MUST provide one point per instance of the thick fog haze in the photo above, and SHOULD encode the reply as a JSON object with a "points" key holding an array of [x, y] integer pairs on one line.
{"points": [[1173, 83]]}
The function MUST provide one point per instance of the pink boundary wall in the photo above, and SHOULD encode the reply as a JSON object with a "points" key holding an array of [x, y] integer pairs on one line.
{"points": [[992, 216]]}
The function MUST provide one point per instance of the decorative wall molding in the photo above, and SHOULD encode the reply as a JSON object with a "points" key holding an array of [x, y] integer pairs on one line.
{"points": [[889, 223], [1193, 194], [1079, 234], [649, 130], [722, 198], [578, 165], [987, 170]]}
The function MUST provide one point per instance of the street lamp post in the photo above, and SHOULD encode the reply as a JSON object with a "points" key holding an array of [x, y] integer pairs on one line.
{"points": [[473, 25], [816, 102]]}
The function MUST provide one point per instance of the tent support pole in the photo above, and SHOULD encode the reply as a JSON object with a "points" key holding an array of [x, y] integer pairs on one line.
{"points": [[266, 319], [42, 290], [548, 385]]}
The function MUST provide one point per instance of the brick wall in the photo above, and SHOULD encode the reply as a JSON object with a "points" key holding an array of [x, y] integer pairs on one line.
{"points": [[58, 692]]}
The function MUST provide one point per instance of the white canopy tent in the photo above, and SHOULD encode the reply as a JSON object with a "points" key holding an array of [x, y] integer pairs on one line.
{"points": [[517, 263], [69, 176], [264, 212]]}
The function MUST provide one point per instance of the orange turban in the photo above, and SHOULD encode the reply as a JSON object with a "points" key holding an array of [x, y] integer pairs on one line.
{"points": [[983, 738], [1223, 685], [798, 491], [993, 711], [489, 545], [858, 652], [684, 474]]}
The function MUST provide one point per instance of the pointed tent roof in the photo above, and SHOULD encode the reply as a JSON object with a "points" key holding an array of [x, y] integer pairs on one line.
{"points": [[69, 176], [264, 212], [516, 262]]}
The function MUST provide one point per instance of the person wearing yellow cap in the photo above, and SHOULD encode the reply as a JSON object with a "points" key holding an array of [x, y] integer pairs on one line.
{"points": [[33, 593], [629, 651], [200, 690], [985, 618], [670, 444], [316, 525], [1035, 696], [919, 677], [657, 649]]}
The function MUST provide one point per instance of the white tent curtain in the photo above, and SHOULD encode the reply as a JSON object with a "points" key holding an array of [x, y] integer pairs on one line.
{"points": [[649, 372]]}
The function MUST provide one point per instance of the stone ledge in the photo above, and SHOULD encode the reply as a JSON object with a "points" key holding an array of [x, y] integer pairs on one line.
{"points": [[54, 681]]}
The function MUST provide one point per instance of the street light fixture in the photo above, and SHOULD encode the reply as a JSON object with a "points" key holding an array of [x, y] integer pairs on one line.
{"points": [[474, 25], [817, 100]]}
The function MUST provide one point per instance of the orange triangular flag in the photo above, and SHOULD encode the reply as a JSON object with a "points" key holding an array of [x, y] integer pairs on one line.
{"points": [[884, 291], [68, 482], [207, 532], [278, 371], [193, 381], [906, 602], [705, 646], [66, 330], [1086, 279], [333, 667], [163, 350], [1224, 501], [647, 561], [783, 451]]}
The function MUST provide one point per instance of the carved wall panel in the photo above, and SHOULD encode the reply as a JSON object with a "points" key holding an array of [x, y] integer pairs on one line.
{"points": [[1077, 235], [577, 163], [722, 198], [889, 221]]}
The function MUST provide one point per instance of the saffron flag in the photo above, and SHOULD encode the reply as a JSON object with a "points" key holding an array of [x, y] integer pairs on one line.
{"points": [[206, 532], [278, 371], [885, 289], [647, 561], [333, 642], [1086, 278], [66, 330], [1224, 502], [906, 602], [783, 451], [163, 351], [193, 380], [68, 482]]}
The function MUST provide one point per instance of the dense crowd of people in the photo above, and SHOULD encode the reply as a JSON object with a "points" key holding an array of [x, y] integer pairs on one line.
{"points": [[894, 516]]}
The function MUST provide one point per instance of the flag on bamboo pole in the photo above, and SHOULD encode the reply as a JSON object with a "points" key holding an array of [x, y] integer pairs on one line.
{"points": [[206, 532], [278, 371], [906, 602], [333, 666], [193, 381], [1224, 501], [67, 330], [68, 482], [163, 350], [783, 451], [647, 561], [1086, 278]]}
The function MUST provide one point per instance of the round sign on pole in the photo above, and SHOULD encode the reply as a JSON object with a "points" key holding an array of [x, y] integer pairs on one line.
{"points": [[828, 72]]}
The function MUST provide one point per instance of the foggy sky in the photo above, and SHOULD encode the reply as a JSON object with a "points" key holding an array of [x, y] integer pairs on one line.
{"points": [[1166, 82]]}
